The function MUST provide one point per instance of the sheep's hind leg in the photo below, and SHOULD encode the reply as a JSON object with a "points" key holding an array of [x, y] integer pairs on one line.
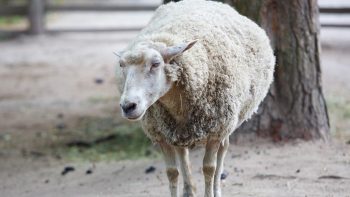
{"points": [[171, 167], [220, 165], [209, 165], [183, 155]]}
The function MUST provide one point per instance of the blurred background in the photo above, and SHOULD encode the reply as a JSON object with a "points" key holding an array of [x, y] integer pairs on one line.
{"points": [[58, 95], [57, 70]]}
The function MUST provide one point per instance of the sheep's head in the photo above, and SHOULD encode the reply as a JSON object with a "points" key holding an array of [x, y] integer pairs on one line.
{"points": [[146, 73]]}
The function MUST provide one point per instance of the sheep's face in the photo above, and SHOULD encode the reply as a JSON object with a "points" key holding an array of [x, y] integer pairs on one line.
{"points": [[143, 74]]}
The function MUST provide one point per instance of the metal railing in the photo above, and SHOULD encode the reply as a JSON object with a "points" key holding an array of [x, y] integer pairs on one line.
{"points": [[36, 10]]}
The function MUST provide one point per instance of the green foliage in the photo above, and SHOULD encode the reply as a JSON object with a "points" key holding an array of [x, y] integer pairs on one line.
{"points": [[339, 112], [128, 143], [339, 106], [103, 139], [10, 20]]}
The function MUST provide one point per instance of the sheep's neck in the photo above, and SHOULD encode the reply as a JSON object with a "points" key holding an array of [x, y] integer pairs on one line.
{"points": [[175, 103]]}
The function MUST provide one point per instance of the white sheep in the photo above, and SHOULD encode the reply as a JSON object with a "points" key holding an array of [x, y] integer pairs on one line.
{"points": [[200, 96]]}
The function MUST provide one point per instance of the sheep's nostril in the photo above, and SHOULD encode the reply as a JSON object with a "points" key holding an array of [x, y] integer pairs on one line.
{"points": [[129, 107]]}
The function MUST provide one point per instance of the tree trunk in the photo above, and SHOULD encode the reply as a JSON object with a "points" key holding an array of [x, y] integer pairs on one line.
{"points": [[295, 106]]}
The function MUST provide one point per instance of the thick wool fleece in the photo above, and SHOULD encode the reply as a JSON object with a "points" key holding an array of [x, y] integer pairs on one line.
{"points": [[223, 77]]}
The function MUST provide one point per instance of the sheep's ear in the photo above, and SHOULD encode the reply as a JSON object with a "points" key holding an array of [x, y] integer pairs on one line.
{"points": [[173, 51], [118, 54]]}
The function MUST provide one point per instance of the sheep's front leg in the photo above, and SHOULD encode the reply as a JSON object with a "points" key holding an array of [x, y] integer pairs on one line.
{"points": [[220, 165], [183, 155], [171, 167], [209, 165]]}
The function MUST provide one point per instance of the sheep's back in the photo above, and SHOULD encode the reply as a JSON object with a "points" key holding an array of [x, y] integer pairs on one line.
{"points": [[228, 72]]}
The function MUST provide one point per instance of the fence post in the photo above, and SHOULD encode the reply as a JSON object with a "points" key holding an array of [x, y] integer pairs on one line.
{"points": [[36, 16]]}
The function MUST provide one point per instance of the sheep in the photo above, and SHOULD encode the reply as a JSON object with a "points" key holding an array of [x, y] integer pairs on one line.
{"points": [[192, 76]]}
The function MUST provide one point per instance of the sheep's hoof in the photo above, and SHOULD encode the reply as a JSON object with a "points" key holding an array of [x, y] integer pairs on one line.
{"points": [[217, 194], [189, 191], [189, 194]]}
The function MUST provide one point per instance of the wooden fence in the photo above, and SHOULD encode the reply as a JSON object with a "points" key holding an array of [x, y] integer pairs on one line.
{"points": [[36, 10]]}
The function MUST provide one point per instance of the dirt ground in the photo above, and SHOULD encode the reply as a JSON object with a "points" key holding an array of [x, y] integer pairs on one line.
{"points": [[53, 82], [293, 170]]}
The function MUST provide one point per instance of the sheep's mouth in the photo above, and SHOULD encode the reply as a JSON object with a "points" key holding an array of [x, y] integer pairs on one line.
{"points": [[135, 118]]}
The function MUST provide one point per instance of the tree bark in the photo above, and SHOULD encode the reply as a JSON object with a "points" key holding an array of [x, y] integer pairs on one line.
{"points": [[295, 106]]}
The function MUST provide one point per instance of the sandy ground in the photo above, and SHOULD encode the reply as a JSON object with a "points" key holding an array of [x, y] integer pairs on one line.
{"points": [[50, 81], [293, 170], [44, 77]]}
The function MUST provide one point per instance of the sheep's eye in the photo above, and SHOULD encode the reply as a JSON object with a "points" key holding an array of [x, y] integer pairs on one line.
{"points": [[155, 64], [121, 64]]}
